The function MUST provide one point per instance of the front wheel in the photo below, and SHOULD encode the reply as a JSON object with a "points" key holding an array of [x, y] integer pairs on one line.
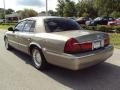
{"points": [[38, 59]]}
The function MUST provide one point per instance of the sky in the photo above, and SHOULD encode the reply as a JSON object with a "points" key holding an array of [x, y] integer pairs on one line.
{"points": [[38, 5]]}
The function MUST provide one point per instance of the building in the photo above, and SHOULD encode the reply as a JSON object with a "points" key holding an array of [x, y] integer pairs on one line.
{"points": [[12, 17]]}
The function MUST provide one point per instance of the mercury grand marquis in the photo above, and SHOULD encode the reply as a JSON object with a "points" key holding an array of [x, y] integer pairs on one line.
{"points": [[59, 41]]}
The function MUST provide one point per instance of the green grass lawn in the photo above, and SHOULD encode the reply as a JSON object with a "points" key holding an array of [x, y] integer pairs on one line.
{"points": [[5, 27], [115, 39]]}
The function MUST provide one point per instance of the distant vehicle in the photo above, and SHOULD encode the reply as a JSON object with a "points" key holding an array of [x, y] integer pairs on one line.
{"points": [[82, 20], [58, 41], [114, 22], [73, 18], [100, 21]]}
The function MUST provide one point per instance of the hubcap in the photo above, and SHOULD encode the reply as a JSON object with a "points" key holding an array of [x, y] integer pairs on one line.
{"points": [[37, 57]]}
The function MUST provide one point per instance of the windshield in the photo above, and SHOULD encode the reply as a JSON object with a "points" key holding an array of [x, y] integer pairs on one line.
{"points": [[60, 24], [98, 18], [118, 19]]}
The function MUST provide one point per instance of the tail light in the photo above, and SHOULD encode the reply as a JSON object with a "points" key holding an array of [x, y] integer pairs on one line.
{"points": [[107, 41], [72, 46]]}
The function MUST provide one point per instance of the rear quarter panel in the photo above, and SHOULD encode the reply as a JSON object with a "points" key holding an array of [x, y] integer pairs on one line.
{"points": [[51, 42]]}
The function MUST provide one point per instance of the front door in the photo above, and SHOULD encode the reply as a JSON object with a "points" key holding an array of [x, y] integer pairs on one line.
{"points": [[13, 37], [25, 35]]}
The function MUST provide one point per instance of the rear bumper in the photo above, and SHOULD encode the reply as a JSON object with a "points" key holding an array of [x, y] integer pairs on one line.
{"points": [[79, 61]]}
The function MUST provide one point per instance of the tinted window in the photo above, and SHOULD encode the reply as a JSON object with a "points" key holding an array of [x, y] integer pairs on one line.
{"points": [[61, 24], [19, 26], [29, 26]]}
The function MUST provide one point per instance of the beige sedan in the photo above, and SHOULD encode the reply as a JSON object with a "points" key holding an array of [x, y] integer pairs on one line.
{"points": [[58, 41]]}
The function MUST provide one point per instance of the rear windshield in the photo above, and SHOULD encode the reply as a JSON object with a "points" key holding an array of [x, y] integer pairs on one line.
{"points": [[60, 24]]}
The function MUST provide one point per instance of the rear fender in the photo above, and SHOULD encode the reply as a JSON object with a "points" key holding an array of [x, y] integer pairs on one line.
{"points": [[34, 44]]}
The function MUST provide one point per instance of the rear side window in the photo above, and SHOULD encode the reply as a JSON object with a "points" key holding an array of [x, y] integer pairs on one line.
{"points": [[60, 24]]}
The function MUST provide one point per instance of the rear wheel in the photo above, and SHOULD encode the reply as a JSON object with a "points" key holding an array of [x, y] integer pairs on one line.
{"points": [[7, 46], [38, 59]]}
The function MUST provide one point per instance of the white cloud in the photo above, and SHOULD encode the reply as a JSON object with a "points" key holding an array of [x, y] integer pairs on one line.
{"points": [[30, 2], [19, 5]]}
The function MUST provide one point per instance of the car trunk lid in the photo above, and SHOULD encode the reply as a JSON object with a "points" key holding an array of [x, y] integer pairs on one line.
{"points": [[84, 40], [83, 35]]}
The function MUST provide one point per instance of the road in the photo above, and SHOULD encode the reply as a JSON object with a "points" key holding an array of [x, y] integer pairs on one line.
{"points": [[17, 73]]}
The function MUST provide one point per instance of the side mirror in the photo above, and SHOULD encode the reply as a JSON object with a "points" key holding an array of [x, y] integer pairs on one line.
{"points": [[10, 29]]}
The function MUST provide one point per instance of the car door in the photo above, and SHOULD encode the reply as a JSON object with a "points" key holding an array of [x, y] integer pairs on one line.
{"points": [[13, 36], [25, 35]]}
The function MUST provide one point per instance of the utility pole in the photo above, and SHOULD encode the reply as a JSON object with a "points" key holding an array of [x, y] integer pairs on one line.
{"points": [[46, 7], [4, 11]]}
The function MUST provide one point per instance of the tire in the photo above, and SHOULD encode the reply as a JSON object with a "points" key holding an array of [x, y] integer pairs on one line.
{"points": [[38, 59], [7, 46]]}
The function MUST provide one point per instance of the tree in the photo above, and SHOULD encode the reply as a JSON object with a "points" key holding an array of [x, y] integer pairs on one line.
{"points": [[69, 9], [66, 8], [1, 16], [106, 7], [27, 13], [52, 13], [60, 7], [1, 13], [115, 14], [85, 9], [9, 11]]}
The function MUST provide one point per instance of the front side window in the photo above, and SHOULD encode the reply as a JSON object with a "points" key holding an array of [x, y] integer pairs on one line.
{"points": [[60, 24], [29, 26], [20, 26]]}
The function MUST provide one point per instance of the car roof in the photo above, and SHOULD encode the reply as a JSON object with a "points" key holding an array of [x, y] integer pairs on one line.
{"points": [[41, 18]]}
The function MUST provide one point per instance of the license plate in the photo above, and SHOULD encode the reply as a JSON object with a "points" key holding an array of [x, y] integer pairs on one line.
{"points": [[96, 44]]}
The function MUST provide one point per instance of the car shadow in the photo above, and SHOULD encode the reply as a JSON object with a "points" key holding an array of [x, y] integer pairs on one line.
{"points": [[104, 76], [26, 58]]}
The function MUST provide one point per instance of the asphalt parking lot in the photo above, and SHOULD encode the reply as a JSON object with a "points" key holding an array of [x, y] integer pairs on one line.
{"points": [[17, 73]]}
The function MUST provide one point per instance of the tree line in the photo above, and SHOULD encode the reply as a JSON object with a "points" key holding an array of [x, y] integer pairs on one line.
{"points": [[68, 8], [88, 8]]}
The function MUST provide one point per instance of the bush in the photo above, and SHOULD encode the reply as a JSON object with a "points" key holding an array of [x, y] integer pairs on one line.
{"points": [[117, 28], [115, 14], [88, 27], [104, 28]]}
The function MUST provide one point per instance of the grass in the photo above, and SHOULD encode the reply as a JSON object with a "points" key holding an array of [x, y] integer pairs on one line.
{"points": [[5, 27], [115, 39]]}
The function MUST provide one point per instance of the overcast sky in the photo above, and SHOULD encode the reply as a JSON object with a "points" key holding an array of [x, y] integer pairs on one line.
{"points": [[38, 5]]}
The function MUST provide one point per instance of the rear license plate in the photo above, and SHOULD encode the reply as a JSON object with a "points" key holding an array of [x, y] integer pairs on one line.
{"points": [[96, 45]]}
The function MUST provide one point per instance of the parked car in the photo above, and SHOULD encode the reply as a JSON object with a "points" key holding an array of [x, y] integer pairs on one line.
{"points": [[73, 18], [100, 21], [114, 22], [82, 20], [58, 41]]}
